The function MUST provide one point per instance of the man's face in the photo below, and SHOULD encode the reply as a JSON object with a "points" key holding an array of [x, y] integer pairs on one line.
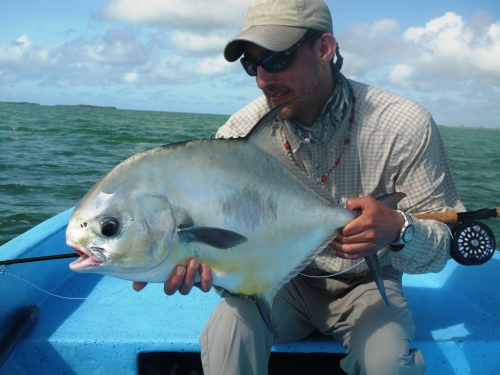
{"points": [[301, 80]]}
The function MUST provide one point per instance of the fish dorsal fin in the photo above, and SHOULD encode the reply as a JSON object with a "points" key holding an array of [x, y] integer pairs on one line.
{"points": [[215, 237], [261, 137], [264, 122]]}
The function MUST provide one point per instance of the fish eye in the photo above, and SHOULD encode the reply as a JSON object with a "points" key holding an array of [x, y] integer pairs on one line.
{"points": [[110, 227]]}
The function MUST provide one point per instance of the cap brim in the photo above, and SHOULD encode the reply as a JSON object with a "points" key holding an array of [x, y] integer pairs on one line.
{"points": [[272, 38]]}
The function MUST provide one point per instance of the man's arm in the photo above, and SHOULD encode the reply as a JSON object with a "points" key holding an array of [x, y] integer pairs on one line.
{"points": [[426, 177]]}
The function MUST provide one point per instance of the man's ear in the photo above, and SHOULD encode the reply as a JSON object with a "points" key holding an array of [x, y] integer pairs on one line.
{"points": [[327, 46]]}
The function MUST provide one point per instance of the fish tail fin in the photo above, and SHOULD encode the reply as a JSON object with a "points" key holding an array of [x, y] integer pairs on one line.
{"points": [[264, 304], [376, 271]]}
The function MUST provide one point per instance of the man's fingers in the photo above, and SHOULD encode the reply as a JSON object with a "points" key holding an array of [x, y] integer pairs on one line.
{"points": [[182, 279], [175, 280], [138, 285], [189, 279], [351, 247], [206, 280]]}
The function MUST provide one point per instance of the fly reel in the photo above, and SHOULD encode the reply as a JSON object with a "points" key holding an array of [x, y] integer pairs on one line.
{"points": [[473, 243]]}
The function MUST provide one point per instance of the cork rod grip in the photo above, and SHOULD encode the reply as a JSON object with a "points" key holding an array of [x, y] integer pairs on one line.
{"points": [[450, 217]]}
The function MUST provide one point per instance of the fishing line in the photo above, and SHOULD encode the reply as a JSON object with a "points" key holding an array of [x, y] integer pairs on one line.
{"points": [[4, 272], [333, 274]]}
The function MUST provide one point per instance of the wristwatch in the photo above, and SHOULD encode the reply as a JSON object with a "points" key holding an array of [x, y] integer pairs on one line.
{"points": [[406, 234]]}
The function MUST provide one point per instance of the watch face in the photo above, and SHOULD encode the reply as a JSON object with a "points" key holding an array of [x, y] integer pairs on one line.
{"points": [[408, 234]]}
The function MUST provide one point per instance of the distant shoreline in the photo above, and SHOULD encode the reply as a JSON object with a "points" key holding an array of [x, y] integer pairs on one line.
{"points": [[469, 128], [25, 103], [83, 106], [64, 105]]}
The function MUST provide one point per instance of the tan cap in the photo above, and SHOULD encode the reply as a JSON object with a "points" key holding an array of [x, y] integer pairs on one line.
{"points": [[276, 25]]}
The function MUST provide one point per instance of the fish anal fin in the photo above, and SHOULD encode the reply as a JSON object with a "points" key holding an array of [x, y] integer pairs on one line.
{"points": [[224, 293], [264, 305], [374, 267], [215, 237], [392, 200]]}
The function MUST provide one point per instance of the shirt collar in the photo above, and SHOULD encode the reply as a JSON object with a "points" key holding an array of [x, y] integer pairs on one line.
{"points": [[331, 115]]}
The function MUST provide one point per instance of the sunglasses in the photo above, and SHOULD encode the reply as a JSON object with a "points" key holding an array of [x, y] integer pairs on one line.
{"points": [[274, 62]]}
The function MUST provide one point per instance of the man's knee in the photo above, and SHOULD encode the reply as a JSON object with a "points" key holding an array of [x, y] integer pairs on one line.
{"points": [[384, 351], [235, 340]]}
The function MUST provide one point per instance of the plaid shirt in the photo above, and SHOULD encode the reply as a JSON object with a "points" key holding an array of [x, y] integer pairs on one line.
{"points": [[394, 145]]}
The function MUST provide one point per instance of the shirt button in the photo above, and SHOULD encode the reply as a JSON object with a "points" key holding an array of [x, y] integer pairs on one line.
{"points": [[316, 166]]}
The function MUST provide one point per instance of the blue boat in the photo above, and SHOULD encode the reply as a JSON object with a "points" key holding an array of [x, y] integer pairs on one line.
{"points": [[115, 330]]}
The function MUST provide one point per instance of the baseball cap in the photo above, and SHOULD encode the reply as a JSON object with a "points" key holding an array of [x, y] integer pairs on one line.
{"points": [[276, 25]]}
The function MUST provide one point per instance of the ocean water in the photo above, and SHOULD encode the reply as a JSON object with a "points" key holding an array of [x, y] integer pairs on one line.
{"points": [[51, 156]]}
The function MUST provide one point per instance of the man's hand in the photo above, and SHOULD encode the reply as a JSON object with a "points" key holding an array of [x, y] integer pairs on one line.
{"points": [[182, 279], [375, 227]]}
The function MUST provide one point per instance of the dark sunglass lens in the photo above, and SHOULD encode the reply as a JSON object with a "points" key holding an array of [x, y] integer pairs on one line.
{"points": [[277, 61], [252, 70], [250, 67]]}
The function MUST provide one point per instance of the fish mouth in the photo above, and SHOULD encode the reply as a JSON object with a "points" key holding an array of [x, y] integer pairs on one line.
{"points": [[89, 257]]}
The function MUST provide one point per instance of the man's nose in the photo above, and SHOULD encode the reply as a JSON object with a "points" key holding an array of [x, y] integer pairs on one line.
{"points": [[264, 79]]}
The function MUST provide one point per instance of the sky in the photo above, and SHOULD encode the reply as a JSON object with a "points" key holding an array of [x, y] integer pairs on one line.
{"points": [[166, 55]]}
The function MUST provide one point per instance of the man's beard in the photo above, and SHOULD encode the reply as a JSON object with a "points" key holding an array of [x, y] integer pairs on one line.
{"points": [[288, 113], [305, 102]]}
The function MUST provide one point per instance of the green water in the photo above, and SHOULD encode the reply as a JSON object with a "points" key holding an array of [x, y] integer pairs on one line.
{"points": [[51, 156]]}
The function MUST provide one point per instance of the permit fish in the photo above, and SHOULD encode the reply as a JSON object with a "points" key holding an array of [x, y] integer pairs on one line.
{"points": [[237, 204]]}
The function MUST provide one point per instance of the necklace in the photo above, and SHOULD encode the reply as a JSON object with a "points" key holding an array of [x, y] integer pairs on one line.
{"points": [[323, 179]]}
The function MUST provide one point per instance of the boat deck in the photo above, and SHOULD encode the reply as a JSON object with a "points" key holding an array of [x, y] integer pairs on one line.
{"points": [[457, 313]]}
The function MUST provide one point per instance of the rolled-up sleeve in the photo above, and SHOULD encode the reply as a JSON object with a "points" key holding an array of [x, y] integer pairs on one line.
{"points": [[427, 179]]}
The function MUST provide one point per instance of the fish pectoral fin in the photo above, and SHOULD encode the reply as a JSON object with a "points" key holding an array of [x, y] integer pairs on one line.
{"points": [[264, 306], [374, 267], [216, 237]]}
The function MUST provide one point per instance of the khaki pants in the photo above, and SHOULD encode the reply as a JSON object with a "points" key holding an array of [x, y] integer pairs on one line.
{"points": [[236, 341]]}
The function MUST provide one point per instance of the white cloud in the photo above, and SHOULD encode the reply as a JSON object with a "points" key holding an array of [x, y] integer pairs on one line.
{"points": [[19, 49], [130, 77], [443, 64], [400, 75], [189, 44], [193, 15], [449, 47], [362, 45], [116, 47], [213, 66], [117, 57], [76, 62]]}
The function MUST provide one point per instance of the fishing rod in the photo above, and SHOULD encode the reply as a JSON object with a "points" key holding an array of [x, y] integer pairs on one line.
{"points": [[38, 259], [473, 241]]}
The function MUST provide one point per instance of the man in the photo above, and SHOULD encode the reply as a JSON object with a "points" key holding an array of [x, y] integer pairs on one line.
{"points": [[359, 143]]}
